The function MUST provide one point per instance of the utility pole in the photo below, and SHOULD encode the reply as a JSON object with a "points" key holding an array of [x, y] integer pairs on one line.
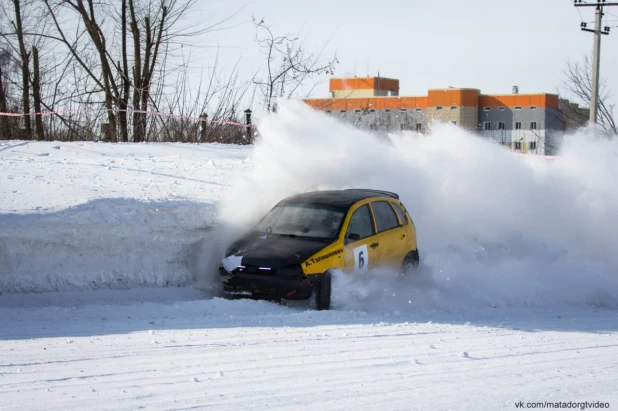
{"points": [[596, 58]]}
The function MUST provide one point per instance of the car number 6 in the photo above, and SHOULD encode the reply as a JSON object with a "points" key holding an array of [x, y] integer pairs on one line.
{"points": [[361, 258]]}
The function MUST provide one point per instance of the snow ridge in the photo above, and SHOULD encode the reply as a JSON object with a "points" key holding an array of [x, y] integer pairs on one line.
{"points": [[105, 243]]}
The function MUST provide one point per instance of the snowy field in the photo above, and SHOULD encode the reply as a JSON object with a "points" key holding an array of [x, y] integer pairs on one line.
{"points": [[109, 298]]}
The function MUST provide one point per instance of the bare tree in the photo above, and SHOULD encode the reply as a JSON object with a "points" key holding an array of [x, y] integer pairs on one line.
{"points": [[577, 85], [5, 126], [288, 64], [215, 101], [21, 18], [24, 56], [102, 65], [36, 94], [125, 57]]}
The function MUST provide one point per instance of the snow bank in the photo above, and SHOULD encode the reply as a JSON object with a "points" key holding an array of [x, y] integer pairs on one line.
{"points": [[82, 216], [493, 228], [106, 243]]}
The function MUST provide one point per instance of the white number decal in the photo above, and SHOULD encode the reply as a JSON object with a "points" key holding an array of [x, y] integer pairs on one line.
{"points": [[361, 258]]}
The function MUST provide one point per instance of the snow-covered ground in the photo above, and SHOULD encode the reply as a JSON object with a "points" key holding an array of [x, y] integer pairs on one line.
{"points": [[176, 350], [108, 293], [80, 216]]}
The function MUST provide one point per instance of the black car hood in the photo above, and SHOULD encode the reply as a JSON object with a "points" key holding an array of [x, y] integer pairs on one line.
{"points": [[273, 250]]}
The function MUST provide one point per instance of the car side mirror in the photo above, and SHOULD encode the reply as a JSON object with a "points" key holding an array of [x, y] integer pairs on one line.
{"points": [[353, 237]]}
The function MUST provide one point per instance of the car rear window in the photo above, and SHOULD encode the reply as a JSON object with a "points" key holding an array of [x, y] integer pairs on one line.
{"points": [[385, 216], [402, 215]]}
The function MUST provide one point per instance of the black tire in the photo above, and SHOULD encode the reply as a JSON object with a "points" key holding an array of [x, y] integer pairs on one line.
{"points": [[410, 262], [323, 290]]}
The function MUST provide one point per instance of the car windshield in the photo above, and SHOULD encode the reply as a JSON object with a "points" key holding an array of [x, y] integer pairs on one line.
{"points": [[303, 220]]}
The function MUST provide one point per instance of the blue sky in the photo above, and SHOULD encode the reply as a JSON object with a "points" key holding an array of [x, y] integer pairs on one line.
{"points": [[491, 45]]}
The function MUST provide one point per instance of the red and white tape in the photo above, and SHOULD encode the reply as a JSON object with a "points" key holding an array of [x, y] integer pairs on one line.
{"points": [[155, 113]]}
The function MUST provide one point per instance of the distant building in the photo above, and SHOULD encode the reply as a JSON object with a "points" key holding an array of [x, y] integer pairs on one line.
{"points": [[527, 123]]}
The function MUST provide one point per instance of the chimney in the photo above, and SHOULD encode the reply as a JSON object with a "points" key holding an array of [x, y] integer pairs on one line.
{"points": [[515, 90]]}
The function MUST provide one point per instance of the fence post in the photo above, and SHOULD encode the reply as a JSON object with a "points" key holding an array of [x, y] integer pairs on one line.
{"points": [[248, 121], [106, 129], [204, 118]]}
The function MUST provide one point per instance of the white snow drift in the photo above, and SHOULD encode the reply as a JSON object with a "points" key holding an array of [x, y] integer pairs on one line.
{"points": [[493, 228], [79, 216]]}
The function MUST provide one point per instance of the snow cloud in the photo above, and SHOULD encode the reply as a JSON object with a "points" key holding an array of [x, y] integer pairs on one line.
{"points": [[493, 228]]}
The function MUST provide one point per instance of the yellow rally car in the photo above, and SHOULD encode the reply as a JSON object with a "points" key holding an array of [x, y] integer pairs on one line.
{"points": [[292, 250]]}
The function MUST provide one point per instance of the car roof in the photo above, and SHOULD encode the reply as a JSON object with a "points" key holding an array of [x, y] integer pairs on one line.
{"points": [[343, 198]]}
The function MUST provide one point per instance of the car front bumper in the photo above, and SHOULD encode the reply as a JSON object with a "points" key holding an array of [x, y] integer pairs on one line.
{"points": [[267, 287]]}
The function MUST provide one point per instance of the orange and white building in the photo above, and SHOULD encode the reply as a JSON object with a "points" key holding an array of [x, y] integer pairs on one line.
{"points": [[528, 123]]}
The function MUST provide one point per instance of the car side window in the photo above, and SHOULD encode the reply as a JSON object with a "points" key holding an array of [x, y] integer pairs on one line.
{"points": [[385, 216], [361, 224], [402, 215]]}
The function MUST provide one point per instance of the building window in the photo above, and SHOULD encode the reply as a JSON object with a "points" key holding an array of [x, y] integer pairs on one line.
{"points": [[328, 111], [487, 125], [453, 107], [518, 125], [517, 107], [388, 110], [419, 126], [533, 125], [454, 123], [532, 107], [501, 125], [439, 108], [518, 145], [419, 110], [487, 108], [342, 111], [533, 145], [357, 111], [501, 108], [372, 110], [403, 110]]}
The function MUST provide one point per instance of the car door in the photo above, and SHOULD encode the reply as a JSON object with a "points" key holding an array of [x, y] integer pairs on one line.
{"points": [[391, 234], [407, 225], [360, 241]]}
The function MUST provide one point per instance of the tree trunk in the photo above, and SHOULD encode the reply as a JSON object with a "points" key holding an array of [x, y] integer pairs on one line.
{"points": [[25, 57], [124, 100], [138, 131], [5, 125], [36, 94], [111, 92], [145, 86]]}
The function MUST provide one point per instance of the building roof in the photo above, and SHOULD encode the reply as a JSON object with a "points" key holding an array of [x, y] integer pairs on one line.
{"points": [[340, 198], [364, 83], [460, 97]]}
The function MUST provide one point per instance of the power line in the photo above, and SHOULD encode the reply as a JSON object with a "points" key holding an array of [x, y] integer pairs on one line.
{"points": [[580, 15], [579, 11]]}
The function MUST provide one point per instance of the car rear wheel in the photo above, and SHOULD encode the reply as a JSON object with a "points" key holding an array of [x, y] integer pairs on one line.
{"points": [[410, 262], [323, 290]]}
